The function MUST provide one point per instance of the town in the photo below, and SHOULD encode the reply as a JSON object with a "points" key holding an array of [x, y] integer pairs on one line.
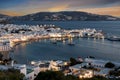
{"points": [[11, 34], [78, 67]]}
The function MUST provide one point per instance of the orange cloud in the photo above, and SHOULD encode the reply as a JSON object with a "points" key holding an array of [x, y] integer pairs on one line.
{"points": [[10, 13], [114, 11], [58, 8]]}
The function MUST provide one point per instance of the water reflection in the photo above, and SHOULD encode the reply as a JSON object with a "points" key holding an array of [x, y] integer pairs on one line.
{"points": [[55, 48]]}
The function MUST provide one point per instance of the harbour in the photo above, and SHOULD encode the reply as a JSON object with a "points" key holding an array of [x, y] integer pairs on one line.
{"points": [[59, 40], [55, 48], [44, 49]]}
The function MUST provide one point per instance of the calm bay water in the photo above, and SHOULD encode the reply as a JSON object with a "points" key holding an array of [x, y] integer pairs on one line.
{"points": [[46, 50]]}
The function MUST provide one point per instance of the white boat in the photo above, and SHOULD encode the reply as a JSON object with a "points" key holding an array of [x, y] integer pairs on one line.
{"points": [[114, 38]]}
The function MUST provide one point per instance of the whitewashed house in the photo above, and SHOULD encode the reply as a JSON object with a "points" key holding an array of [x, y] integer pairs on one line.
{"points": [[56, 65]]}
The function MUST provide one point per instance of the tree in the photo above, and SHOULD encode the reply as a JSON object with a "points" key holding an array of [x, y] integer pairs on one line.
{"points": [[73, 61], [114, 72], [54, 75], [109, 65], [91, 57], [1, 56], [11, 74], [71, 77], [58, 75]]}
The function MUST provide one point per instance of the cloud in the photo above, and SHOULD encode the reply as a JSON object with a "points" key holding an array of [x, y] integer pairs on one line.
{"points": [[114, 11], [93, 3], [22, 7], [71, 3], [58, 8], [11, 13]]}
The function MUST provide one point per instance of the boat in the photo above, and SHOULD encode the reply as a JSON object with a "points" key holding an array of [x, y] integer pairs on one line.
{"points": [[114, 38], [71, 44], [54, 42]]}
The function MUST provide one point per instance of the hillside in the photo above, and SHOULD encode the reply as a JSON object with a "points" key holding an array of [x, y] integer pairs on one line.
{"points": [[64, 16]]}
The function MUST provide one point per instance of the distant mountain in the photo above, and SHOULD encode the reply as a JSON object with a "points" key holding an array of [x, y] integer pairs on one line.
{"points": [[4, 16], [4, 19], [64, 16]]}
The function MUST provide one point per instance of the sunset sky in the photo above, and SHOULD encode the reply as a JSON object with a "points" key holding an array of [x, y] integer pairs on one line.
{"points": [[23, 7]]}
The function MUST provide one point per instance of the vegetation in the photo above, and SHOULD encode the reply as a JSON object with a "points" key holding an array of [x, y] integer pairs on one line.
{"points": [[58, 75], [1, 56], [96, 78], [73, 61], [115, 72], [11, 74], [4, 61], [54, 75], [109, 65]]}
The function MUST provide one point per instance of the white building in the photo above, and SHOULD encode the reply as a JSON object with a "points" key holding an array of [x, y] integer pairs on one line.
{"points": [[21, 67], [77, 66], [55, 35], [100, 63], [80, 72], [84, 73], [43, 65], [95, 62], [57, 65], [32, 72], [5, 47], [103, 72]]}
